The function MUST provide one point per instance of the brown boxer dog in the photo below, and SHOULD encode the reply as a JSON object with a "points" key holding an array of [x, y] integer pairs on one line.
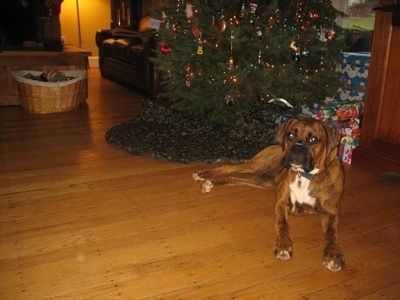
{"points": [[308, 176]]}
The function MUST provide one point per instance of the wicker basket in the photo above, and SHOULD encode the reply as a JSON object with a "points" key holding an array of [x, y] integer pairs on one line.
{"points": [[50, 97]]}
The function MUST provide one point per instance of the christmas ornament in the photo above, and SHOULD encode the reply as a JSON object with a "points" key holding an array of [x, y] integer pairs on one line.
{"points": [[189, 10], [221, 24], [188, 81], [196, 31], [259, 33], [200, 49], [293, 46], [164, 20], [165, 49], [322, 34], [242, 11], [331, 34], [229, 100], [253, 8]]}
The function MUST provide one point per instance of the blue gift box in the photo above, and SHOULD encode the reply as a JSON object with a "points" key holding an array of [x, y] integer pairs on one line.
{"points": [[354, 69]]}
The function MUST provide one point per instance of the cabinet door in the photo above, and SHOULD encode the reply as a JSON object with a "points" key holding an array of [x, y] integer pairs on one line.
{"points": [[126, 13], [380, 133]]}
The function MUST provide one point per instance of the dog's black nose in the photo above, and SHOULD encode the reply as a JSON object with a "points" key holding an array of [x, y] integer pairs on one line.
{"points": [[299, 155], [299, 149]]}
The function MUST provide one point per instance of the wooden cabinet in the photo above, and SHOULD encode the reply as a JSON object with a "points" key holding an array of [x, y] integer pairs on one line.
{"points": [[126, 13], [379, 148]]}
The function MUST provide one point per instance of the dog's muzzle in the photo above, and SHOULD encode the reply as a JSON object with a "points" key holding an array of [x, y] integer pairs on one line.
{"points": [[300, 156]]}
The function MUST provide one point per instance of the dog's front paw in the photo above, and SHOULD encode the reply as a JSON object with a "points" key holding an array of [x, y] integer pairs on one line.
{"points": [[283, 250], [283, 254], [197, 177], [334, 262], [207, 186]]}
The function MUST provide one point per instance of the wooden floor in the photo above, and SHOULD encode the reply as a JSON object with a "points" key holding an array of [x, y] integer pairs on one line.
{"points": [[82, 220]]}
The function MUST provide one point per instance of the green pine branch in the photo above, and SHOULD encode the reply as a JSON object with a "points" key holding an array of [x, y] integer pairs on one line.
{"points": [[282, 49]]}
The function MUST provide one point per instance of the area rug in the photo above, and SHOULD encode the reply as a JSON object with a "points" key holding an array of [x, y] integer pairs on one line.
{"points": [[162, 132]]}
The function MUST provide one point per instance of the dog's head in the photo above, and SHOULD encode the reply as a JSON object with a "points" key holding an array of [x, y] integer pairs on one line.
{"points": [[308, 144]]}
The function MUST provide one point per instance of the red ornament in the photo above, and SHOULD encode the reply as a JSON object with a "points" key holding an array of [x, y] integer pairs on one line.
{"points": [[221, 25], [196, 32], [165, 49]]}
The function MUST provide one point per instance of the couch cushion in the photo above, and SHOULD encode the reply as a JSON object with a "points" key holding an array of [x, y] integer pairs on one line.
{"points": [[137, 55], [119, 48], [107, 47]]}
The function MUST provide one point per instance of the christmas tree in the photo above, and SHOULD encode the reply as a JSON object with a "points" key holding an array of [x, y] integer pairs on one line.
{"points": [[221, 56]]}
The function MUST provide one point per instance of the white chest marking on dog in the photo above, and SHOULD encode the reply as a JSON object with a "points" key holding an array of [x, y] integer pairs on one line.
{"points": [[299, 190]]}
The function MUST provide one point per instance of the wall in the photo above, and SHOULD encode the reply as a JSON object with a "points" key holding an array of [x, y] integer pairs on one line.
{"points": [[94, 15]]}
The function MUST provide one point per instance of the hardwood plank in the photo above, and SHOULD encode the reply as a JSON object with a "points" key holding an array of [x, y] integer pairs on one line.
{"points": [[390, 292], [376, 282], [80, 219]]}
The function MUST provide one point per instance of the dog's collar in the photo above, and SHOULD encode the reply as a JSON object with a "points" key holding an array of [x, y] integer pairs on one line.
{"points": [[300, 172], [309, 176]]}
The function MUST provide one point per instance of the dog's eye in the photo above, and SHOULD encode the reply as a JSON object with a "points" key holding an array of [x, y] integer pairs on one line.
{"points": [[312, 140], [291, 136]]}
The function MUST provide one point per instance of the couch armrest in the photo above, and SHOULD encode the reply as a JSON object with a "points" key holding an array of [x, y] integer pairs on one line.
{"points": [[153, 44], [102, 35]]}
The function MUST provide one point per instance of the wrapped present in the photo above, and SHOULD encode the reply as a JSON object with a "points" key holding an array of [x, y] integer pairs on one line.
{"points": [[319, 111], [344, 111], [283, 118], [349, 110], [346, 148], [347, 127], [347, 153], [354, 69]]}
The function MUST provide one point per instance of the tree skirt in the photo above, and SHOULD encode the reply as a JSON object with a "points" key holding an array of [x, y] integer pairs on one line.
{"points": [[163, 132]]}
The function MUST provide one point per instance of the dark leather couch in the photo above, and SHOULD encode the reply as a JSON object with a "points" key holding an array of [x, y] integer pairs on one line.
{"points": [[124, 58]]}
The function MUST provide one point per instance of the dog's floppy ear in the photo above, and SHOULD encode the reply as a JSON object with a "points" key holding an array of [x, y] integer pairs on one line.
{"points": [[333, 137], [280, 132], [332, 143]]}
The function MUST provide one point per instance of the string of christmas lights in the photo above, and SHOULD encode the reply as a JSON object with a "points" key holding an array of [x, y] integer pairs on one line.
{"points": [[220, 55]]}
